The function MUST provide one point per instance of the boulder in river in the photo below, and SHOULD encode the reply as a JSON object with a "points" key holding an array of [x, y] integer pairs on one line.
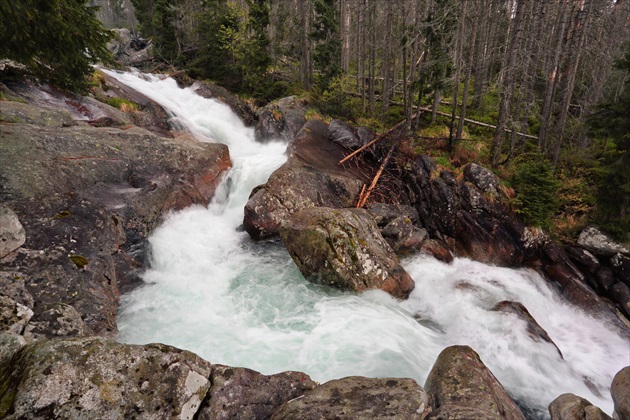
{"points": [[357, 397], [572, 407], [620, 391], [460, 386], [343, 248], [311, 177], [281, 119]]}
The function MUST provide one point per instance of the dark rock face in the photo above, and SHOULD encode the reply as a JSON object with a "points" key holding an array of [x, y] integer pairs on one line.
{"points": [[620, 391], [460, 386], [621, 295], [98, 378], [359, 398], [572, 407], [87, 201], [344, 135], [533, 328], [129, 49], [280, 120], [310, 178], [344, 249], [239, 393]]}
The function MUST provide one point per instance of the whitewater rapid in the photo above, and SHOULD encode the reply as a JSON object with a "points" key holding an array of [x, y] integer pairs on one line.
{"points": [[213, 291]]}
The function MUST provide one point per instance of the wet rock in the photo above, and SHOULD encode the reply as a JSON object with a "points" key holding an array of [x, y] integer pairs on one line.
{"points": [[620, 391], [58, 320], [12, 233], [343, 248], [10, 343], [13, 285], [359, 398], [533, 328], [460, 386], [403, 236], [572, 407], [13, 316], [239, 393], [599, 243], [99, 378], [583, 258], [384, 213], [310, 178], [620, 293], [436, 249]]}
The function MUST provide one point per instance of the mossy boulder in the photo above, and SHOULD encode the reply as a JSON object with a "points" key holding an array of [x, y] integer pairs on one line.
{"points": [[343, 248], [356, 397], [460, 386]]}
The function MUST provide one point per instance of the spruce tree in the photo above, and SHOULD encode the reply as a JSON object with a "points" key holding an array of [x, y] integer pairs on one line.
{"points": [[57, 40], [327, 52]]}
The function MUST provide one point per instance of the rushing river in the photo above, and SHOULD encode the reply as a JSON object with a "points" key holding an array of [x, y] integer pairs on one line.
{"points": [[233, 301]]}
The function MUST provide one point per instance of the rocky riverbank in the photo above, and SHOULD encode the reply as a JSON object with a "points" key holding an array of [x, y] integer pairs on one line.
{"points": [[82, 186]]}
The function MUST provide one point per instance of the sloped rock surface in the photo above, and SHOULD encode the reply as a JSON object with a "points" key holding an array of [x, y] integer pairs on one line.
{"points": [[98, 378], [357, 397], [239, 393], [343, 248], [460, 386]]}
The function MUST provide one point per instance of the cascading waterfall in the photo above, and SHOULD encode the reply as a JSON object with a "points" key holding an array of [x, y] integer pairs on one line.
{"points": [[215, 292]]}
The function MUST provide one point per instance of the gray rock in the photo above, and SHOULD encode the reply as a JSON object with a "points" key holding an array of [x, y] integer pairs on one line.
{"points": [[343, 248], [482, 178], [620, 391], [12, 233], [583, 257], [605, 278], [600, 243], [13, 316], [9, 345], [239, 393], [357, 397], [269, 127], [281, 119], [384, 213], [59, 320], [621, 265], [13, 285], [99, 378], [572, 407], [343, 134], [460, 386]]}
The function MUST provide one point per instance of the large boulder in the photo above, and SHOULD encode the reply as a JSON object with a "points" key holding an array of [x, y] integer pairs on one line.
{"points": [[572, 407], [620, 391], [246, 394], [13, 316], [343, 248], [129, 49], [460, 386], [98, 378], [311, 177], [87, 201], [281, 119], [598, 242], [221, 94], [357, 397]]}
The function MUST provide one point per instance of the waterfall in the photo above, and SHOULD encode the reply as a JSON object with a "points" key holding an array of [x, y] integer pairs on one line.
{"points": [[213, 291]]}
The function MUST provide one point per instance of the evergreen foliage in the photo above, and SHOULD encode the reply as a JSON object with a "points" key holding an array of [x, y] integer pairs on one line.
{"points": [[612, 121], [536, 191], [57, 40], [327, 52]]}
